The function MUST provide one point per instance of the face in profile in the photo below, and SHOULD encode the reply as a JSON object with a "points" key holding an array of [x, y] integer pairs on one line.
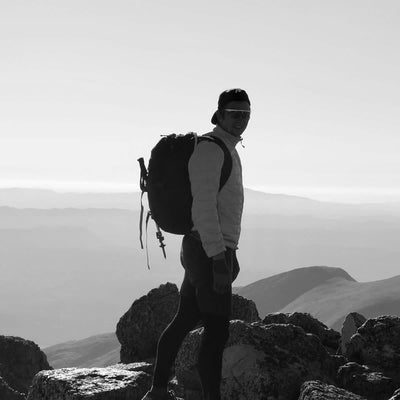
{"points": [[234, 117]]}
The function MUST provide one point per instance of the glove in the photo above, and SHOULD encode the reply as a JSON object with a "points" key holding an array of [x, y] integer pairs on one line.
{"points": [[221, 275]]}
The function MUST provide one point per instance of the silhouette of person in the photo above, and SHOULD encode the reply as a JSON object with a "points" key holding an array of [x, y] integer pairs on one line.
{"points": [[208, 252]]}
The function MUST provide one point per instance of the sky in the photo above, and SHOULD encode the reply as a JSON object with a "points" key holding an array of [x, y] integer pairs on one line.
{"points": [[88, 86]]}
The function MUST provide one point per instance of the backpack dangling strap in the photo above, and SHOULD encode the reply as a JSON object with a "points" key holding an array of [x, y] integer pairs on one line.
{"points": [[141, 221], [143, 188], [147, 249]]}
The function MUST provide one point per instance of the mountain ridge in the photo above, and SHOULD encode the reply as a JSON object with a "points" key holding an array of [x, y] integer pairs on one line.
{"points": [[329, 284]]}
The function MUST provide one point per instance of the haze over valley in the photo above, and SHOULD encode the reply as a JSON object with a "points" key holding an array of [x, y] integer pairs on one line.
{"points": [[71, 268]]}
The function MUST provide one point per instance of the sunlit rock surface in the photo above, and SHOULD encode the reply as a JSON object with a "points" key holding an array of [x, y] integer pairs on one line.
{"points": [[396, 395], [316, 390], [350, 325], [117, 382]]}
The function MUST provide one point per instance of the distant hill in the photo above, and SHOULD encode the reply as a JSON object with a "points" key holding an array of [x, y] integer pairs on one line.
{"points": [[328, 294], [95, 351], [331, 301], [64, 258], [274, 293], [45, 199], [256, 202]]}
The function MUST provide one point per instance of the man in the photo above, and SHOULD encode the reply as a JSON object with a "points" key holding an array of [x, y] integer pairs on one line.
{"points": [[209, 252]]}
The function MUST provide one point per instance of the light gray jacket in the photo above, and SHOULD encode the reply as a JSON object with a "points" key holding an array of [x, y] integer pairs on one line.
{"points": [[216, 214]]}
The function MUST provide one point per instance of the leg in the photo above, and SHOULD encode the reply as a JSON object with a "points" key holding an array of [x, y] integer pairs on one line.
{"points": [[216, 333], [186, 318], [215, 309]]}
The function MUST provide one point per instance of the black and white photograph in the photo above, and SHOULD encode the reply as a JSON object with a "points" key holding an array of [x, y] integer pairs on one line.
{"points": [[199, 200]]}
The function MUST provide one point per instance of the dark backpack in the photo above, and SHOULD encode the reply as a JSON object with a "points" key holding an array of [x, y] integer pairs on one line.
{"points": [[167, 182]]}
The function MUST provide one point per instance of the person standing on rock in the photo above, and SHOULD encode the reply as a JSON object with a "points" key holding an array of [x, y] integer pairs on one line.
{"points": [[208, 253]]}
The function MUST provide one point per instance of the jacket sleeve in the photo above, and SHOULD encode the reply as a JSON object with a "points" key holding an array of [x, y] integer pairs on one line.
{"points": [[204, 169]]}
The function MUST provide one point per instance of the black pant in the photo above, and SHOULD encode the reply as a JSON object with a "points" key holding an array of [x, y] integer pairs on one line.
{"points": [[216, 333], [198, 301]]}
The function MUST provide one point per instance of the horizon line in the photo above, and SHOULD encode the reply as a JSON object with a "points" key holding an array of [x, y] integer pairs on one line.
{"points": [[349, 195]]}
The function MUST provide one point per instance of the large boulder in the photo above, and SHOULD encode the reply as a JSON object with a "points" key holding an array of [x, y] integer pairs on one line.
{"points": [[20, 361], [350, 326], [361, 380], [329, 338], [8, 393], [117, 382], [317, 390], [141, 326], [261, 361], [377, 345]]}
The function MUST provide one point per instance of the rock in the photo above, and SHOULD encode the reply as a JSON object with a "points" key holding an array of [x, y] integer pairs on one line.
{"points": [[261, 361], [117, 382], [7, 393], [377, 345], [350, 325], [20, 361], [141, 326], [396, 395], [361, 380], [316, 390], [329, 338], [244, 309]]}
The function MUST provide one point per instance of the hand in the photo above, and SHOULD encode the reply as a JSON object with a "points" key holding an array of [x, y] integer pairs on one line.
{"points": [[221, 275]]}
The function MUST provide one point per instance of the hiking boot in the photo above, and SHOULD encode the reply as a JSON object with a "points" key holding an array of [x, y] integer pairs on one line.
{"points": [[170, 395]]}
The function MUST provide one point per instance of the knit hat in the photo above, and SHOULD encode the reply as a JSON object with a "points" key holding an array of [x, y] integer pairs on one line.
{"points": [[228, 96]]}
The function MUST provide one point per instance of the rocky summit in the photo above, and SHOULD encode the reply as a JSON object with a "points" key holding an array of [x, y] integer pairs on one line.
{"points": [[286, 356], [262, 359]]}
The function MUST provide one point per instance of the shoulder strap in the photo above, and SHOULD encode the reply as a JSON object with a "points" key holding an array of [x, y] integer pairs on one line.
{"points": [[227, 165]]}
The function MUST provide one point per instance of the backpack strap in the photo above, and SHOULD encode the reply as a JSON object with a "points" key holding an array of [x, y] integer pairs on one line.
{"points": [[227, 165]]}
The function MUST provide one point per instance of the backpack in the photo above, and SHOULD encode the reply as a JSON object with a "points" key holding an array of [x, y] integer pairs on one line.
{"points": [[167, 183]]}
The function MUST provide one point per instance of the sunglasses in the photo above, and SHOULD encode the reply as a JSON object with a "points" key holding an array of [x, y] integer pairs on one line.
{"points": [[238, 114]]}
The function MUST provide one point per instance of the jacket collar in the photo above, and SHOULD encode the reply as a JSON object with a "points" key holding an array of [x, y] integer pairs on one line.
{"points": [[230, 140]]}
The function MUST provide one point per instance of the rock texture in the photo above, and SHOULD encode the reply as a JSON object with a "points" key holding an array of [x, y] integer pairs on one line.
{"points": [[7, 393], [361, 380], [377, 344], [350, 325], [284, 357], [396, 395], [20, 361], [140, 327], [329, 338], [244, 309], [117, 382], [262, 361], [317, 390]]}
